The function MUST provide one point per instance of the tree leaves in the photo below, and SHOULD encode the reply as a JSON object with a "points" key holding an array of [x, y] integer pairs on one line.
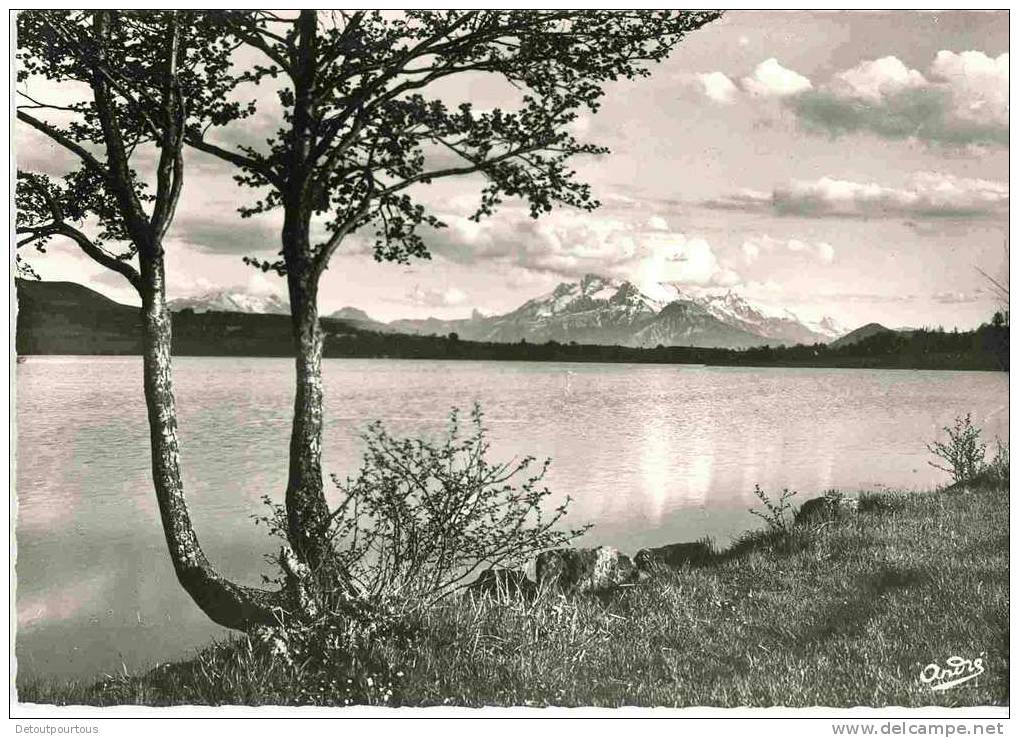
{"points": [[362, 113]]}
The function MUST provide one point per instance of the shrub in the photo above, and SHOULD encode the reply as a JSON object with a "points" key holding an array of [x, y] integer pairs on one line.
{"points": [[830, 507], [964, 453], [416, 524], [422, 518], [777, 515], [995, 473]]}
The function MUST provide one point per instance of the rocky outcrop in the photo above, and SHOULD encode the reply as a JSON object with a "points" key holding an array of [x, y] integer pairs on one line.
{"points": [[584, 569], [822, 509], [674, 555], [497, 582]]}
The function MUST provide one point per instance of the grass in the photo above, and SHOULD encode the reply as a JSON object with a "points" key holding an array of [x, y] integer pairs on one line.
{"points": [[839, 613]]}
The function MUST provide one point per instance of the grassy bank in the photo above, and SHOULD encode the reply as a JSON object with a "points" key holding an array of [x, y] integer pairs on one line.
{"points": [[842, 612]]}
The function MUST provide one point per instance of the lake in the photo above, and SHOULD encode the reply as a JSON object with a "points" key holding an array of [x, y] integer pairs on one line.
{"points": [[650, 454]]}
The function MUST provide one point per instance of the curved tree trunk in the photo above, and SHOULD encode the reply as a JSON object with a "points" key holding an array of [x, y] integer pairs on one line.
{"points": [[231, 605]]}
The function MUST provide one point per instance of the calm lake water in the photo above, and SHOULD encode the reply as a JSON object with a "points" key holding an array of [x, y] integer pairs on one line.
{"points": [[650, 454]]}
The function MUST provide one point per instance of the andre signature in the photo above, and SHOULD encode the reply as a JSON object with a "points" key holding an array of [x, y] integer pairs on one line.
{"points": [[956, 671]]}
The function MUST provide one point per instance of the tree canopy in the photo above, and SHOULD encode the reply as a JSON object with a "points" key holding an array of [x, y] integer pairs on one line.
{"points": [[363, 118]]}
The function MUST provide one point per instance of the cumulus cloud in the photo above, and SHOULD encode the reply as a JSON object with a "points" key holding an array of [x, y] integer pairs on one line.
{"points": [[926, 195], [754, 246], [448, 297], [979, 84], [962, 100], [874, 80], [771, 79], [683, 260], [718, 87], [569, 245]]}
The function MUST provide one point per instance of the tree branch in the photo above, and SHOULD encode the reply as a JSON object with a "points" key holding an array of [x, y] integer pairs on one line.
{"points": [[120, 179], [59, 227], [54, 134], [170, 170], [238, 160]]}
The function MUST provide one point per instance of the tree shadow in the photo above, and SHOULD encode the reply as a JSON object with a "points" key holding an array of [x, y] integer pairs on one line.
{"points": [[853, 616]]}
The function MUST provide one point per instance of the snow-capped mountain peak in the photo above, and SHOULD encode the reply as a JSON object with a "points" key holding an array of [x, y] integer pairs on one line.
{"points": [[828, 326], [229, 301]]}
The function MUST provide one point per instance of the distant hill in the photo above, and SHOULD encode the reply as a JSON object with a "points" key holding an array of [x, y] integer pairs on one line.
{"points": [[361, 319], [864, 331], [68, 318]]}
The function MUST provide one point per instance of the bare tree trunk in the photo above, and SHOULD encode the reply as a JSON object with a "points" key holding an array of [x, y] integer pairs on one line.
{"points": [[229, 604]]}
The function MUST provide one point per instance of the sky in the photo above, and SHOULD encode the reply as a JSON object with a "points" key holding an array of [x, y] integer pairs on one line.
{"points": [[844, 164]]}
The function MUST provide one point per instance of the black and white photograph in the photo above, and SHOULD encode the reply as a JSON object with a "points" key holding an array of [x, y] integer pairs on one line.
{"points": [[488, 363]]}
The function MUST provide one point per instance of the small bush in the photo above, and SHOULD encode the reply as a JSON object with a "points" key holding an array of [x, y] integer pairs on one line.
{"points": [[963, 453], [831, 507], [422, 518], [996, 472], [777, 515]]}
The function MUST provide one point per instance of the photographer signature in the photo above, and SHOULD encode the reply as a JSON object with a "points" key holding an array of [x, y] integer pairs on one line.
{"points": [[956, 671]]}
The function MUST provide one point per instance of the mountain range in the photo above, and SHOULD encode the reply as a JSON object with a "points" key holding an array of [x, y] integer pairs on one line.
{"points": [[64, 318], [594, 310], [231, 301]]}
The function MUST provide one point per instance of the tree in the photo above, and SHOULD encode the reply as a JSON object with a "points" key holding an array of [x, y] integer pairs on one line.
{"points": [[148, 76], [357, 138], [358, 135]]}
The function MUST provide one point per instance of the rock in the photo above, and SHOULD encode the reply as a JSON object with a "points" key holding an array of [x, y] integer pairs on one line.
{"points": [[674, 555], [584, 569], [829, 507], [504, 581]]}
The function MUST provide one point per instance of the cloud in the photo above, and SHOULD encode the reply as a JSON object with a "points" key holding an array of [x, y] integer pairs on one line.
{"points": [[744, 199], [225, 232], [657, 223], [825, 252], [874, 80], [568, 245], [963, 100], [751, 251], [718, 87], [771, 79], [979, 84], [953, 297], [753, 247], [960, 102], [683, 260], [436, 298], [926, 195]]}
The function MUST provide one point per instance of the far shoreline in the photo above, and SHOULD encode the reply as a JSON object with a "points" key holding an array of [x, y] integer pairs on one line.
{"points": [[525, 360]]}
